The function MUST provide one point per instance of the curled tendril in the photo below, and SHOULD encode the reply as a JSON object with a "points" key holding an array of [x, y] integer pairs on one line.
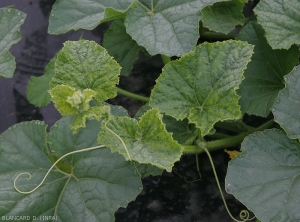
{"points": [[244, 214], [53, 165]]}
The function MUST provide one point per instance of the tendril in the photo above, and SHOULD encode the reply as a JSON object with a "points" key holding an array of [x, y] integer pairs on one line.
{"points": [[244, 214], [126, 149], [53, 165]]}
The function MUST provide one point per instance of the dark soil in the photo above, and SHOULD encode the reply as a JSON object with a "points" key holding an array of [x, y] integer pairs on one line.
{"points": [[164, 198]]}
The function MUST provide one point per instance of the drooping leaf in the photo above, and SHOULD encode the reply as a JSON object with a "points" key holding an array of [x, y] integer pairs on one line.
{"points": [[201, 85], [166, 27], [281, 20], [10, 23], [146, 141], [224, 16], [265, 176], [264, 74], [37, 89], [286, 107], [86, 65], [100, 182], [181, 130], [67, 15], [146, 170], [121, 46], [95, 113]]}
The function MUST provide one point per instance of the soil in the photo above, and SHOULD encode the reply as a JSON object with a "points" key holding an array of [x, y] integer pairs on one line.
{"points": [[164, 198]]}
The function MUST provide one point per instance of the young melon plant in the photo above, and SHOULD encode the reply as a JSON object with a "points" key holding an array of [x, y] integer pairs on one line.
{"points": [[92, 160]]}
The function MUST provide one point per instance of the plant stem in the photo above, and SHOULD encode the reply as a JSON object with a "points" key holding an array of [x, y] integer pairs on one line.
{"points": [[133, 95], [233, 127], [215, 36], [227, 142]]}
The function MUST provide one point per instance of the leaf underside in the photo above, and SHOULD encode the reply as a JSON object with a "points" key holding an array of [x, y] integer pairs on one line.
{"points": [[201, 85], [274, 197]]}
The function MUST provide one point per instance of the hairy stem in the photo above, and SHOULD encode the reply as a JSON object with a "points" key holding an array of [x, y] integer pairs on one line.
{"points": [[133, 95]]}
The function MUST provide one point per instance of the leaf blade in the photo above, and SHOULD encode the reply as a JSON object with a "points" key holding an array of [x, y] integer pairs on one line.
{"points": [[67, 15], [264, 74], [146, 141], [280, 19], [265, 174], [201, 85], [11, 21], [169, 28]]}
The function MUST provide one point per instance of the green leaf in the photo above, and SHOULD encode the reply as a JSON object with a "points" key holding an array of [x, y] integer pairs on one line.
{"points": [[264, 74], [37, 89], [182, 131], [96, 113], [201, 85], [86, 65], [10, 23], [286, 107], [60, 94], [146, 141], [121, 46], [224, 16], [100, 182], [67, 15], [265, 176], [281, 20], [166, 27], [146, 170]]}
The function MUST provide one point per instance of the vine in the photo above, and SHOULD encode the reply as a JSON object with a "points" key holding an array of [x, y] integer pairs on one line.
{"points": [[53, 165]]}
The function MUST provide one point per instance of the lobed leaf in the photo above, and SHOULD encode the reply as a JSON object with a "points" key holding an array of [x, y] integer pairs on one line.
{"points": [[201, 85], [75, 67], [182, 131], [281, 20], [99, 183], [264, 74], [67, 15], [146, 141], [121, 46], [166, 27], [286, 107], [10, 23], [265, 176], [224, 16]]}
